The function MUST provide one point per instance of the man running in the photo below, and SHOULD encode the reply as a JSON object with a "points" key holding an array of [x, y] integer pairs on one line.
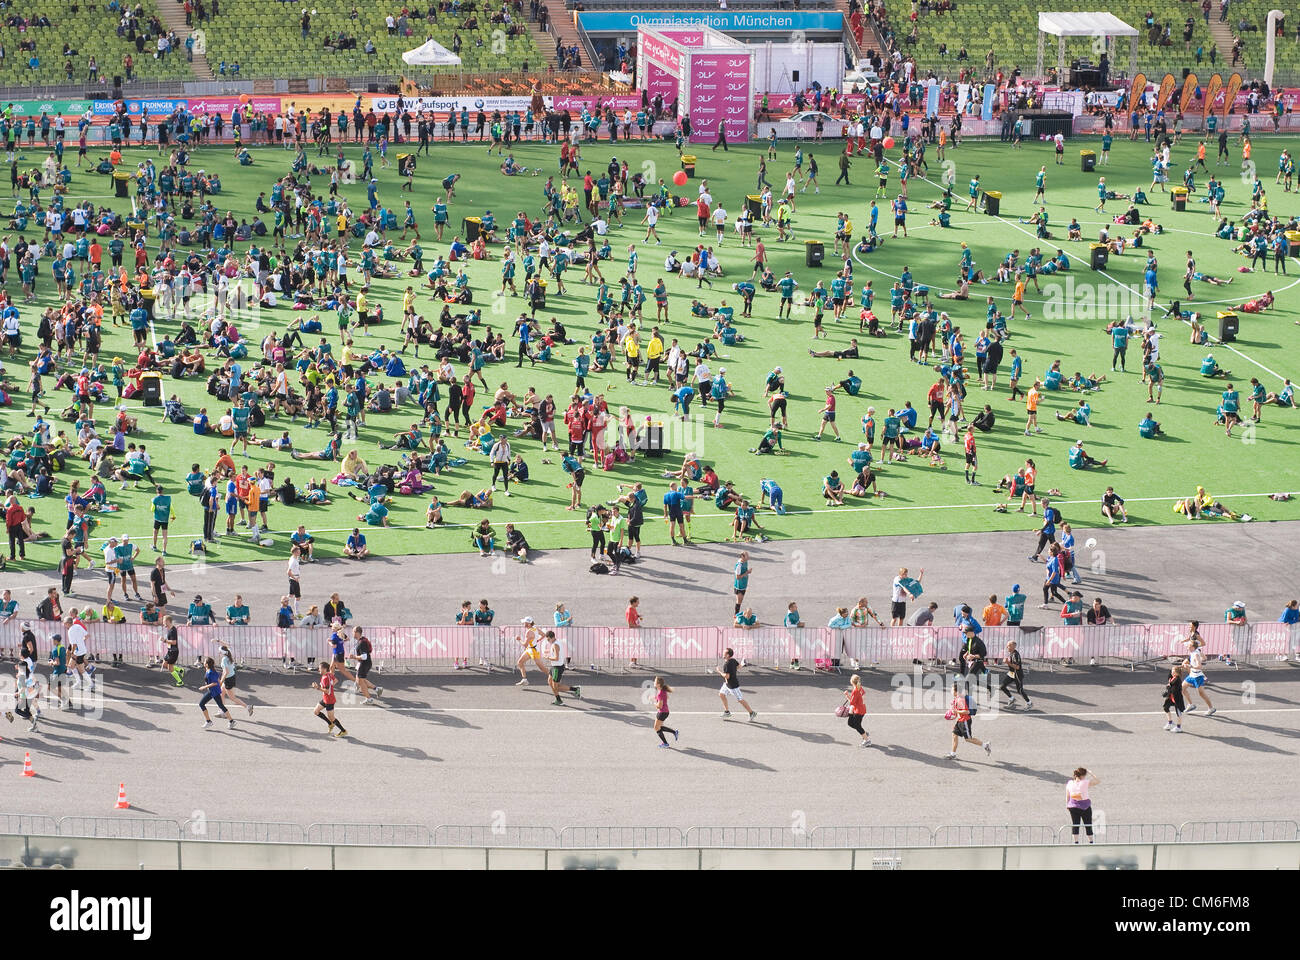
{"points": [[1016, 675], [730, 673], [325, 709], [557, 652]]}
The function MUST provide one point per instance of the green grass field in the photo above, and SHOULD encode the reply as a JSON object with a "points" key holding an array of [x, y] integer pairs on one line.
{"points": [[919, 498]]}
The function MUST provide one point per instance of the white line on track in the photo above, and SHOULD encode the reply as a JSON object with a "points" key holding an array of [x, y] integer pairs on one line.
{"points": [[911, 714]]}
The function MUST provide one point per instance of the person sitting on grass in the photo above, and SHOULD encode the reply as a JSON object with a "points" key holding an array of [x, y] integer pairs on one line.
{"points": [[833, 489], [516, 543], [1284, 397], [1081, 384], [1079, 459], [355, 548], [743, 520], [377, 515], [484, 537], [1080, 414], [1211, 368], [411, 439], [1112, 506], [477, 501], [433, 514], [1203, 505], [1148, 428], [865, 483]]}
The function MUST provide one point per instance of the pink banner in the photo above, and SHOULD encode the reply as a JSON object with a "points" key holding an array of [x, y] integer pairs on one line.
{"points": [[719, 96], [659, 82], [618, 102], [687, 38], [666, 55], [224, 105]]}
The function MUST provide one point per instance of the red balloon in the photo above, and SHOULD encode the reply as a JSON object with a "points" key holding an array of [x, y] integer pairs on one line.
{"points": [[679, 178], [889, 143]]}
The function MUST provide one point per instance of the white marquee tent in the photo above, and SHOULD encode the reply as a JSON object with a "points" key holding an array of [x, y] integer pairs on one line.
{"points": [[431, 53], [1105, 26]]}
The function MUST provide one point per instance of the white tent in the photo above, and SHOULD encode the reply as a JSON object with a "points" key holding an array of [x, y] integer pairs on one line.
{"points": [[1103, 25], [431, 53]]}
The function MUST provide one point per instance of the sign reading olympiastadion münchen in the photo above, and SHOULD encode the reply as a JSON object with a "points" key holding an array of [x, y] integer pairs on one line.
{"points": [[728, 21]]}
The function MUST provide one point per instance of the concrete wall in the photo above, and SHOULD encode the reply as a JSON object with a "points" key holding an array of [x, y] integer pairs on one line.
{"points": [[102, 853]]}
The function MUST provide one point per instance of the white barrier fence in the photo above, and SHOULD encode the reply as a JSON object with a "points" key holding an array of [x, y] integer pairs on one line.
{"points": [[439, 647]]}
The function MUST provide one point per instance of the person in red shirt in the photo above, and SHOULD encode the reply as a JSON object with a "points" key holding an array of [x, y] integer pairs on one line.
{"points": [[96, 254], [828, 415], [935, 399], [972, 463], [576, 421], [633, 616], [702, 213], [325, 709], [15, 515], [857, 704]]}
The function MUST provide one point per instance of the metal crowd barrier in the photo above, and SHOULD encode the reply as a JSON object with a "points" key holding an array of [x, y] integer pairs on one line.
{"points": [[878, 838], [437, 648]]}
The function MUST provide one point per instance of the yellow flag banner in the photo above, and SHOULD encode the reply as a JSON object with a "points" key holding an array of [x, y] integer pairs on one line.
{"points": [[1189, 88], [1166, 88], [1211, 91], [1135, 92], [1234, 84]]}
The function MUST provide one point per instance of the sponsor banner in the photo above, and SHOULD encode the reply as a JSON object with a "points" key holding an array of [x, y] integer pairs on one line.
{"points": [[986, 108], [1230, 95], [727, 21], [1166, 88], [719, 96], [1189, 90], [784, 103], [657, 81], [1211, 92], [224, 105], [34, 108], [687, 38], [448, 104], [620, 101], [654, 48], [1136, 90]]}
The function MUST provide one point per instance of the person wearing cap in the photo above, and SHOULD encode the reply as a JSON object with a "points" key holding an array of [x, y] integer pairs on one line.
{"points": [[200, 612], [1072, 610], [1235, 614], [8, 607], [1015, 605], [529, 640]]}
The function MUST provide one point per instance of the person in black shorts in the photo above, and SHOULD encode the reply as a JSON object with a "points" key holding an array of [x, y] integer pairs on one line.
{"points": [[158, 581], [325, 709], [849, 353], [173, 654], [363, 654]]}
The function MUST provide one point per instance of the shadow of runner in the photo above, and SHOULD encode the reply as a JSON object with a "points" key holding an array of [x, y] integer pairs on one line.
{"points": [[742, 762], [929, 759]]}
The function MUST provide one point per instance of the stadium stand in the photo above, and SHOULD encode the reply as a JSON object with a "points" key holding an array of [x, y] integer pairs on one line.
{"points": [[36, 34], [267, 38], [935, 37]]}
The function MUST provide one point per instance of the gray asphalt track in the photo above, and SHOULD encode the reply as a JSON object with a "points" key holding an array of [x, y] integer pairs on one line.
{"points": [[1143, 574], [479, 751]]}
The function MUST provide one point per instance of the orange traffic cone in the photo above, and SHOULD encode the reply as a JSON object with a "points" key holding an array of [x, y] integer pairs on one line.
{"points": [[121, 798], [27, 766]]}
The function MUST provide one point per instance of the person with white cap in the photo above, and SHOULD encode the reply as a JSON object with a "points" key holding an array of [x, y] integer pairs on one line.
{"points": [[1236, 614], [529, 640]]}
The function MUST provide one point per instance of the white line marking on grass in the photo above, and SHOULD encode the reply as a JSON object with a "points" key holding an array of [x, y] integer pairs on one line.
{"points": [[709, 516]]}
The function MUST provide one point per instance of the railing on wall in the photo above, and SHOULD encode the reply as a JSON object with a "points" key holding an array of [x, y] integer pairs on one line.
{"points": [[643, 837]]}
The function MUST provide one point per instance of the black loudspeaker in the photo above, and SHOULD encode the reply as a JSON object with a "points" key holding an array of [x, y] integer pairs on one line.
{"points": [[650, 439], [814, 252], [151, 390], [117, 81], [1186, 72]]}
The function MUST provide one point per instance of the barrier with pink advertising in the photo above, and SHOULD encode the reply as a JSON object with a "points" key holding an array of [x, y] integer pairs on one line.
{"points": [[438, 647]]}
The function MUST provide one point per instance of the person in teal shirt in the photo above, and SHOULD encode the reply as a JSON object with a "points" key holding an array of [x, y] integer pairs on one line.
{"points": [[237, 613], [376, 516], [1015, 604], [162, 514], [195, 481], [1148, 428], [1072, 612], [200, 613]]}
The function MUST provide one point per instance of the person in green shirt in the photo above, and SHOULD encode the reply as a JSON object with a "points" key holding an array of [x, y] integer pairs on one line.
{"points": [[200, 612], [162, 514], [237, 613], [126, 554]]}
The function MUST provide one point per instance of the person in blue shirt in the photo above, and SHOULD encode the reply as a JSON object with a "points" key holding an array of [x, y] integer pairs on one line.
{"points": [[771, 492], [211, 690], [356, 548], [1047, 533], [1290, 613]]}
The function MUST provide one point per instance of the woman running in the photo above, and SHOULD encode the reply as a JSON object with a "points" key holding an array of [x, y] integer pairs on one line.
{"points": [[959, 712], [1078, 802], [212, 692], [1174, 699], [661, 711], [228, 679], [856, 697], [1195, 670], [325, 709]]}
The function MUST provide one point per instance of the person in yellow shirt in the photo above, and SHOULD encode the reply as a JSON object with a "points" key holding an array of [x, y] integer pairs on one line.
{"points": [[632, 351], [654, 351], [363, 310], [112, 613], [1031, 407]]}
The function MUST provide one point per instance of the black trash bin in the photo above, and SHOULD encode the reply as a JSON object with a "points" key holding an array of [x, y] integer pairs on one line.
{"points": [[814, 252], [1100, 254]]}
